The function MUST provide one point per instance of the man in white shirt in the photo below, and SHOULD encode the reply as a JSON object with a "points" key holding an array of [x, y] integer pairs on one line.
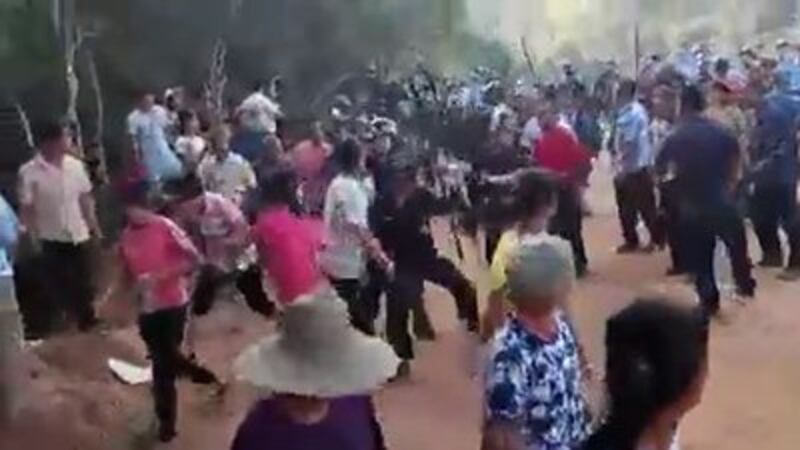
{"points": [[224, 172], [58, 211], [259, 113]]}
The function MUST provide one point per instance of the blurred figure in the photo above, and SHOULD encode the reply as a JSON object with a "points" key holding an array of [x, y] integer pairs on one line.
{"points": [[148, 130], [157, 259], [58, 214], [309, 159], [258, 117], [10, 320], [705, 160], [320, 374], [656, 371], [559, 151], [190, 146], [534, 388], [349, 241], [220, 231], [225, 172], [774, 174], [633, 183]]}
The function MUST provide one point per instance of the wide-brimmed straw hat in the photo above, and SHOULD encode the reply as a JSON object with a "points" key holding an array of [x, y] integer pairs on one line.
{"points": [[317, 353]]}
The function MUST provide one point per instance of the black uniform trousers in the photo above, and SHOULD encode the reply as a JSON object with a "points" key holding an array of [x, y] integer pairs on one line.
{"points": [[773, 207], [568, 224], [669, 213], [248, 283], [704, 225], [635, 193], [405, 294]]}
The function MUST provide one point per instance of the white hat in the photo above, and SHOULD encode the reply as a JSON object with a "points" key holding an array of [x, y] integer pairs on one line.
{"points": [[317, 353]]}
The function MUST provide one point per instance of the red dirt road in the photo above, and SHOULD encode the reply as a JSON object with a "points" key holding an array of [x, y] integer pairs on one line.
{"points": [[752, 391]]}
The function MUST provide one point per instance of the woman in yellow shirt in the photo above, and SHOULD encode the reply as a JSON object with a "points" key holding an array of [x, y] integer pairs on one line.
{"points": [[535, 202]]}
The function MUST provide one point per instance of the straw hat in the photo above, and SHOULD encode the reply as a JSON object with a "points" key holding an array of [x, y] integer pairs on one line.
{"points": [[317, 353]]}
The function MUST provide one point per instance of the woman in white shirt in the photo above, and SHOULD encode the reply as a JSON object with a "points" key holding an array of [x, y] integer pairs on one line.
{"points": [[348, 240], [190, 146]]}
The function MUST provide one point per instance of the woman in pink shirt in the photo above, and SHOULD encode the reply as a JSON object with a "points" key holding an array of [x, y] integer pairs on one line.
{"points": [[158, 258], [288, 246]]}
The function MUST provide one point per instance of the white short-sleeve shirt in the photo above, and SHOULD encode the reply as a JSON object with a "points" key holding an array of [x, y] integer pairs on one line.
{"points": [[259, 113], [346, 206], [231, 178], [54, 193]]}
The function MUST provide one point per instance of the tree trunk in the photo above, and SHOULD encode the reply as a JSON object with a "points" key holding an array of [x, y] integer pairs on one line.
{"points": [[97, 141]]}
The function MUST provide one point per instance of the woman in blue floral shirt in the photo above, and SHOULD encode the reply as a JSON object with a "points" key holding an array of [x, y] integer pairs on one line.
{"points": [[534, 397]]}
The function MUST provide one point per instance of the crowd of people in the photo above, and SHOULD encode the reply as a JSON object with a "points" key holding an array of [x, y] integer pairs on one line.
{"points": [[320, 232]]}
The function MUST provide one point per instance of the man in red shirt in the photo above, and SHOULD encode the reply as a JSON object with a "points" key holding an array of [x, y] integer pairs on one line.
{"points": [[559, 151]]}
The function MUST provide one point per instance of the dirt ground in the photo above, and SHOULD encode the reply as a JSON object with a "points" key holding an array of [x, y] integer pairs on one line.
{"points": [[73, 403]]}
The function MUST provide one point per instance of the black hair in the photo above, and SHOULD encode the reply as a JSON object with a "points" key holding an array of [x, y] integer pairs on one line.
{"points": [[260, 85], [48, 130], [692, 99], [139, 192], [188, 187], [536, 190], [722, 66], [655, 351], [278, 186], [184, 117], [627, 88], [348, 155]]}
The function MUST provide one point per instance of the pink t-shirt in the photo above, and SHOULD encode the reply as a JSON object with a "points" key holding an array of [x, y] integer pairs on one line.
{"points": [[289, 248], [155, 247]]}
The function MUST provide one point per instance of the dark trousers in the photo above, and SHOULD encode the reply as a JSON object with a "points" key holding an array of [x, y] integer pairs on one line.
{"points": [[671, 225], [492, 238], [248, 282], [635, 193], [68, 273], [162, 333], [377, 285], [405, 294], [362, 313], [703, 226], [773, 207], [568, 224]]}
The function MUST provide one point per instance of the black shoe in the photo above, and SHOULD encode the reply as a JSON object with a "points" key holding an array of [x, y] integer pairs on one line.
{"points": [[748, 291], [790, 274], [167, 434], [403, 372], [425, 334], [773, 262], [675, 272], [626, 249]]}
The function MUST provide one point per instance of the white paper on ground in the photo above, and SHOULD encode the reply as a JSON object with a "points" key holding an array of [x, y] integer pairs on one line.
{"points": [[129, 373]]}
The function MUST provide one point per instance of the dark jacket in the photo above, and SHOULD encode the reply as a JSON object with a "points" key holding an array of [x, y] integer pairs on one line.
{"points": [[774, 144]]}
